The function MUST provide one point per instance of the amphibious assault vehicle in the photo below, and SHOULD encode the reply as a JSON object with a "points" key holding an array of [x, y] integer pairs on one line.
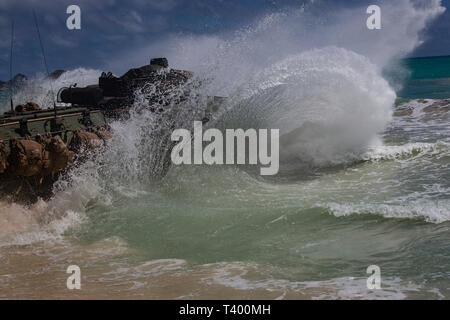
{"points": [[37, 145]]}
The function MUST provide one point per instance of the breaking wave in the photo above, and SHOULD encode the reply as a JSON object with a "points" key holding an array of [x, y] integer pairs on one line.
{"points": [[437, 211], [409, 151], [329, 105]]}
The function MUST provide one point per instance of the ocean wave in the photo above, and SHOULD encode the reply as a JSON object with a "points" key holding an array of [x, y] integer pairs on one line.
{"points": [[329, 104], [420, 108], [21, 225], [243, 277], [407, 151], [437, 211]]}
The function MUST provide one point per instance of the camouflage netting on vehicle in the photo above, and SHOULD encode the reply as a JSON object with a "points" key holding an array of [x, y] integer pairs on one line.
{"points": [[28, 168], [26, 157], [30, 106], [56, 155], [85, 139], [3, 157], [46, 155], [103, 134]]}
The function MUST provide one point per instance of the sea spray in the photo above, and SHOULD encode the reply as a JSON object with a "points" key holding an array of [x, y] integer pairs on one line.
{"points": [[329, 104], [39, 88]]}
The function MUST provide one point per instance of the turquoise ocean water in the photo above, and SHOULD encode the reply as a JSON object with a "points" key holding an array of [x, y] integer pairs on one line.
{"points": [[429, 78]]}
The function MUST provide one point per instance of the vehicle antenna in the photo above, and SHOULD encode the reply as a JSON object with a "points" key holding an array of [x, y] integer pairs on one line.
{"points": [[45, 60], [10, 68]]}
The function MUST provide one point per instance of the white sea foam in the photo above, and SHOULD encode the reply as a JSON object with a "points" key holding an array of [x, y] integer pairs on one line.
{"points": [[436, 211], [407, 151], [241, 276]]}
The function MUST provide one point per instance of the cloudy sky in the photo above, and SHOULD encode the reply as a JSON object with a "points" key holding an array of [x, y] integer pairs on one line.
{"points": [[111, 30]]}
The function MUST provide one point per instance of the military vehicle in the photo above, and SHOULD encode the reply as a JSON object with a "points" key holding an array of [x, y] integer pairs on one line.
{"points": [[37, 145]]}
